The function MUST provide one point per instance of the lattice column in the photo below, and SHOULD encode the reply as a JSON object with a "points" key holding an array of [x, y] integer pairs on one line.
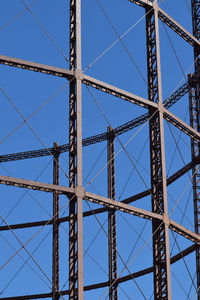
{"points": [[55, 266], [161, 254], [112, 245], [194, 103], [75, 157]]}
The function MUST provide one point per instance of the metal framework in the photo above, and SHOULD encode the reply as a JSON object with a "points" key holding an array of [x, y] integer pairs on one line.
{"points": [[158, 110]]}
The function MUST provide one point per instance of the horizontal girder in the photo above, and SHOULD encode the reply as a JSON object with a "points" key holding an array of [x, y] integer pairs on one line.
{"points": [[169, 21], [117, 92], [181, 125], [138, 196], [36, 67], [176, 96], [35, 185]]}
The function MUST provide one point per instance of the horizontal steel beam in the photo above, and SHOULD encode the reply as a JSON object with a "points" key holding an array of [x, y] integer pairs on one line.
{"points": [[176, 96], [117, 92], [28, 297], [112, 204], [176, 27], [191, 132], [36, 67], [35, 185], [142, 3], [169, 21], [188, 234], [128, 200]]}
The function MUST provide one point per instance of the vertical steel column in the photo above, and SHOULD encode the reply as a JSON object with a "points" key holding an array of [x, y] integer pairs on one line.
{"points": [[75, 157], [194, 104], [112, 245], [161, 253], [55, 262]]}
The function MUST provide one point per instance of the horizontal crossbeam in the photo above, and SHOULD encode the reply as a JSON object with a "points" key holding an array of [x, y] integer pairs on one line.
{"points": [[176, 27], [35, 185], [169, 21], [176, 96], [36, 67], [117, 92], [112, 204], [188, 234], [170, 117], [131, 199]]}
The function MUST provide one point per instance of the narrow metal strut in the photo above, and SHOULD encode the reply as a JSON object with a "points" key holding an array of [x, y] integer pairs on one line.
{"points": [[55, 259], [75, 158], [161, 254], [112, 231], [194, 105]]}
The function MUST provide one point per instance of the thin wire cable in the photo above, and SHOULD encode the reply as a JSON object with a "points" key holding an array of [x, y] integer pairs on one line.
{"points": [[115, 42], [174, 51], [120, 150], [120, 257], [122, 146], [39, 108], [194, 297], [26, 192], [31, 128], [128, 179], [120, 38], [94, 164], [186, 266], [42, 27], [191, 286], [33, 236], [139, 251], [140, 237], [122, 42], [16, 16], [25, 263], [23, 246]]}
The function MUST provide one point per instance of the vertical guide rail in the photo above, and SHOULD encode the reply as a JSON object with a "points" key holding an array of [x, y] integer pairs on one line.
{"points": [[112, 245], [194, 105], [55, 262], [75, 158], [161, 253]]}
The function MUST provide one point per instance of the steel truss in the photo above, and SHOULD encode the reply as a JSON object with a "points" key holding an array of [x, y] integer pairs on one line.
{"points": [[157, 112]]}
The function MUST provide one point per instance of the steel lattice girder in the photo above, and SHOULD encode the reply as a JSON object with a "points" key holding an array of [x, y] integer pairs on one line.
{"points": [[176, 96], [174, 25], [109, 203], [145, 193]]}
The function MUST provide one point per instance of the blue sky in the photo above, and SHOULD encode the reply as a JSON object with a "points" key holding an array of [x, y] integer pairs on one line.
{"points": [[22, 37]]}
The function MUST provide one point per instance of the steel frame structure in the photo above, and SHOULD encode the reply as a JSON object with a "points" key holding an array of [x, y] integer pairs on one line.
{"points": [[157, 112]]}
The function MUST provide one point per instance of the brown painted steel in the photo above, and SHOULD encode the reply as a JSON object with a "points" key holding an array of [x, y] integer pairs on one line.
{"points": [[161, 252], [112, 230], [194, 104], [55, 257], [75, 158], [161, 223]]}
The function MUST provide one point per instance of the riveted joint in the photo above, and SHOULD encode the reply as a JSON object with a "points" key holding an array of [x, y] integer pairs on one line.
{"points": [[80, 192], [166, 219], [78, 74], [160, 107]]}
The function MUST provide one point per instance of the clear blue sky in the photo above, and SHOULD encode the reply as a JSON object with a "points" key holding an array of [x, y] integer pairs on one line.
{"points": [[22, 37]]}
